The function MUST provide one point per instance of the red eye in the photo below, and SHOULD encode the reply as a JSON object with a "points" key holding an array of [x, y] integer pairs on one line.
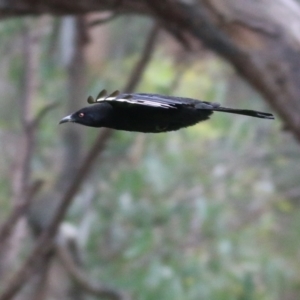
{"points": [[81, 115]]}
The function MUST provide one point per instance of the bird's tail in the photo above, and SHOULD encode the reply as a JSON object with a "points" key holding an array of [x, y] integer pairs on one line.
{"points": [[245, 112]]}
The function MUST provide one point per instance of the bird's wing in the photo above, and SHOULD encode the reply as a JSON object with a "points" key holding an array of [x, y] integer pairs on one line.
{"points": [[152, 100], [146, 100]]}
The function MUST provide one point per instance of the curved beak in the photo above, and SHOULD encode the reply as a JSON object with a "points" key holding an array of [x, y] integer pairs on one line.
{"points": [[66, 119]]}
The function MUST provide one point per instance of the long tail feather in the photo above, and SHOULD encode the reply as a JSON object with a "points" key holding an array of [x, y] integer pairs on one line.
{"points": [[245, 112]]}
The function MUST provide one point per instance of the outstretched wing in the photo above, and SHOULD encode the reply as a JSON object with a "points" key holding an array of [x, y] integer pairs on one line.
{"points": [[152, 100], [145, 100]]}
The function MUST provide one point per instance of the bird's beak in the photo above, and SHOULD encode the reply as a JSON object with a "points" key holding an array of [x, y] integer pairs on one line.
{"points": [[66, 119]]}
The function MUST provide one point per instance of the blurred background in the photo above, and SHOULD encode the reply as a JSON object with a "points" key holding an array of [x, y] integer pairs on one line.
{"points": [[207, 212]]}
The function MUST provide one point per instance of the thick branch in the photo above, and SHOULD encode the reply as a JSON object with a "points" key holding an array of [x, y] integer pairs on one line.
{"points": [[270, 62], [66, 7]]}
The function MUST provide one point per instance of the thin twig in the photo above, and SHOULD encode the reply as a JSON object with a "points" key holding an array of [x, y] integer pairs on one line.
{"points": [[44, 242]]}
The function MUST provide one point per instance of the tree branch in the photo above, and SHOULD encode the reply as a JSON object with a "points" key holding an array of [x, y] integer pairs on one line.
{"points": [[273, 70], [66, 7]]}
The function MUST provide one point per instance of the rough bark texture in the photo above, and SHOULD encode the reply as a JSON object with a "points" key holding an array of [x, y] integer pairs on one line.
{"points": [[261, 39], [268, 33]]}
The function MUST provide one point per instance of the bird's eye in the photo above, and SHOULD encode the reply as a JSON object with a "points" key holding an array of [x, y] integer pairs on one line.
{"points": [[81, 115]]}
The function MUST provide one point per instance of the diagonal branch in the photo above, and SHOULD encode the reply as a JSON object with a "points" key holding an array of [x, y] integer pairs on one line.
{"points": [[44, 243]]}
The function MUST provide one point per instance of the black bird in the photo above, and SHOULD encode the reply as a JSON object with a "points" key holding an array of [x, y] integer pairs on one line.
{"points": [[149, 112]]}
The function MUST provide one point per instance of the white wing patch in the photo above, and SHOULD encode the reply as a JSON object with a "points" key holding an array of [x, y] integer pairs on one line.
{"points": [[139, 102], [102, 96]]}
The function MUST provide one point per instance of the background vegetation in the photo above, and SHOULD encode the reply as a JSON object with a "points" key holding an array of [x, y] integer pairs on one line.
{"points": [[208, 212]]}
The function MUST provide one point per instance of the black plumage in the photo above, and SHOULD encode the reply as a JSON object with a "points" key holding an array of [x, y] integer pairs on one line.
{"points": [[149, 112]]}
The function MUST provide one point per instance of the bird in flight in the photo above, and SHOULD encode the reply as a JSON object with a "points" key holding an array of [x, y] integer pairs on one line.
{"points": [[143, 112]]}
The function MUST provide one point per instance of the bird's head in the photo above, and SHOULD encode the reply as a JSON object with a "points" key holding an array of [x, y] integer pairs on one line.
{"points": [[95, 115]]}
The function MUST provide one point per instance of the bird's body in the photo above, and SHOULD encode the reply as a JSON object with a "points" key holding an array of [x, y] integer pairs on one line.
{"points": [[149, 112], [131, 117]]}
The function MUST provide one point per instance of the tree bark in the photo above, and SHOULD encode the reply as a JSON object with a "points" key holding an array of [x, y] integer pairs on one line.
{"points": [[268, 32], [254, 37]]}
